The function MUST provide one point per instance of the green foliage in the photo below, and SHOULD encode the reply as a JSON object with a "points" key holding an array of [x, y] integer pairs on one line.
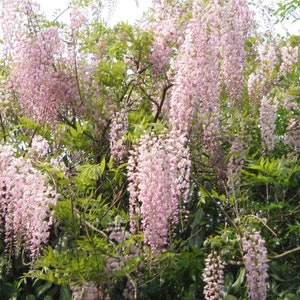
{"points": [[276, 186], [288, 9]]}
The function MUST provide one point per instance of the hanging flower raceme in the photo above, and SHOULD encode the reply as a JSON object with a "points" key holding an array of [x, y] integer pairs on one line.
{"points": [[213, 277], [118, 128], [25, 204], [211, 56], [267, 122], [255, 258], [235, 162], [289, 57], [235, 18], [292, 135], [165, 33], [261, 81], [276, 62], [42, 87], [16, 16], [158, 183]]}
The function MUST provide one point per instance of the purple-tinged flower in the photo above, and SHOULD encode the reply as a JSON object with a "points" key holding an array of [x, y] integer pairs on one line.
{"points": [[39, 146], [255, 258], [289, 57], [292, 134], [211, 58], [118, 128], [88, 291], [236, 162], [43, 87], [25, 204], [158, 175], [213, 277], [267, 119]]}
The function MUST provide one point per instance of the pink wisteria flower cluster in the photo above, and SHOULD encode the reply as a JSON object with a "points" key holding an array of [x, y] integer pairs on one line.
{"points": [[262, 79], [255, 258], [211, 57], [118, 129], [88, 291], [166, 35], [213, 277], [289, 58], [26, 204], [292, 135], [158, 175], [236, 162], [275, 62], [267, 122], [39, 147], [48, 78], [43, 88], [15, 19]]}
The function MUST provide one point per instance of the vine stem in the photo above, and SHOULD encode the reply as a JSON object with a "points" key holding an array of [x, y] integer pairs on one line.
{"points": [[3, 128], [265, 224], [286, 253], [240, 263]]}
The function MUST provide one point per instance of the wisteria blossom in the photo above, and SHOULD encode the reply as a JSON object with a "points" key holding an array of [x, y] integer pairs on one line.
{"points": [[205, 63], [213, 277], [275, 62], [292, 135], [262, 79], [255, 258], [267, 123], [15, 23], [88, 291], [236, 162], [289, 57], [232, 38], [26, 204], [77, 18], [158, 174], [118, 129], [39, 146], [42, 87], [166, 35]]}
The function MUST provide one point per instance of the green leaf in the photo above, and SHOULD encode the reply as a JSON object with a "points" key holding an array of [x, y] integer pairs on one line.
{"points": [[102, 165], [230, 297], [43, 288], [275, 276], [198, 218], [64, 293], [111, 162], [51, 276], [240, 279], [29, 123], [73, 132]]}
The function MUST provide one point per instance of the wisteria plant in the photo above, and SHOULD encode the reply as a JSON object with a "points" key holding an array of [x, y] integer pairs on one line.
{"points": [[155, 160]]}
